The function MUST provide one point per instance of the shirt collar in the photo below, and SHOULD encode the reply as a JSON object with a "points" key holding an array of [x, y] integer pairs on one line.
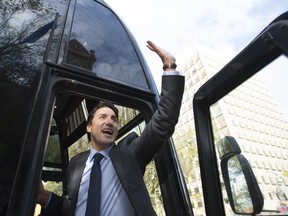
{"points": [[104, 152]]}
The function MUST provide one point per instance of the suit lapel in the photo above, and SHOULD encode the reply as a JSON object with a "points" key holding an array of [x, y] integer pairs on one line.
{"points": [[118, 159], [118, 165]]}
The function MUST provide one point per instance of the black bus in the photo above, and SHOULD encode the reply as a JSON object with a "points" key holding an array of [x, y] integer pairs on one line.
{"points": [[64, 58]]}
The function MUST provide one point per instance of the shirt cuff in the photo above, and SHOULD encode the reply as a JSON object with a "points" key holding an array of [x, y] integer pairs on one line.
{"points": [[171, 73]]}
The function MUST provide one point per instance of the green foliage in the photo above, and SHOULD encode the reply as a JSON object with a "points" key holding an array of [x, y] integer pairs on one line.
{"points": [[126, 114], [81, 145], [186, 146], [53, 153], [152, 184], [187, 152], [55, 187]]}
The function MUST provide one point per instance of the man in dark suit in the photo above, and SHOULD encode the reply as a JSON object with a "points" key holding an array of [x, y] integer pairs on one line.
{"points": [[123, 191]]}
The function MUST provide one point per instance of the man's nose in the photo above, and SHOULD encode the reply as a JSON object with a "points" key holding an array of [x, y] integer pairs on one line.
{"points": [[109, 121]]}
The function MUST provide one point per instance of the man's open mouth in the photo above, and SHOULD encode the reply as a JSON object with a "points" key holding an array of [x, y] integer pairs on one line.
{"points": [[107, 131]]}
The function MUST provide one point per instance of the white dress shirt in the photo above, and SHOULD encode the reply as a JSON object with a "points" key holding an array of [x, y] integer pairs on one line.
{"points": [[114, 200]]}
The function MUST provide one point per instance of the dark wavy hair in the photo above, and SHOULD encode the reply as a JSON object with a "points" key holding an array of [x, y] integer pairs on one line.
{"points": [[98, 106]]}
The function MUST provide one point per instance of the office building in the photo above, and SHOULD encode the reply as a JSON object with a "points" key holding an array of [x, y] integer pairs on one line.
{"points": [[251, 115]]}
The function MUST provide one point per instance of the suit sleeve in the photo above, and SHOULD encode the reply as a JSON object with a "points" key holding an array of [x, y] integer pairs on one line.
{"points": [[54, 207], [162, 124]]}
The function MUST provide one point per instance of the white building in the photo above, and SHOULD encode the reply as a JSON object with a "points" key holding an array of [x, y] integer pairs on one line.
{"points": [[249, 114]]}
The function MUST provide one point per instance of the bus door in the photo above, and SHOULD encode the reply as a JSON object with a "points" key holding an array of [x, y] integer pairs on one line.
{"points": [[242, 132], [73, 55]]}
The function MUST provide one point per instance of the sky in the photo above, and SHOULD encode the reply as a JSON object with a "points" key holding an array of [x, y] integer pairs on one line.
{"points": [[227, 26]]}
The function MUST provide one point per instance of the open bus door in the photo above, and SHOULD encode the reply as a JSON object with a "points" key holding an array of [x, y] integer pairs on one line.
{"points": [[48, 84], [232, 87]]}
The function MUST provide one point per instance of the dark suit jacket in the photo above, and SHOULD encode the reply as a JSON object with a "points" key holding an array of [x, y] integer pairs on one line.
{"points": [[132, 154]]}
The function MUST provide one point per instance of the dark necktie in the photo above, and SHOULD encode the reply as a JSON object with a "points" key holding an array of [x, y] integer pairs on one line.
{"points": [[94, 191]]}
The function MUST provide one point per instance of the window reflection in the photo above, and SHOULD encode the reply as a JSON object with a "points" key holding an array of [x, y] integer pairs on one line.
{"points": [[241, 196], [99, 43], [77, 55]]}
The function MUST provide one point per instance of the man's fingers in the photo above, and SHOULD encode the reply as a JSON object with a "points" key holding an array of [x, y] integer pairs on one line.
{"points": [[151, 46], [165, 56]]}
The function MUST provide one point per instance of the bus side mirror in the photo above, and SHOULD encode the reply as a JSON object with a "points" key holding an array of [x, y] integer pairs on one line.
{"points": [[243, 191]]}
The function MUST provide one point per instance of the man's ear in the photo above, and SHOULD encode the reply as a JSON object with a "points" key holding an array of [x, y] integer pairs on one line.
{"points": [[88, 128]]}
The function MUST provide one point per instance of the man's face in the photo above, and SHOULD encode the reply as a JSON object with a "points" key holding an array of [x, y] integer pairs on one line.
{"points": [[103, 128]]}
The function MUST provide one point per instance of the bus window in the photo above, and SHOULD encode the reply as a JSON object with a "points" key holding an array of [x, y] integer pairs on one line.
{"points": [[53, 151], [54, 168], [103, 49], [14, 114]]}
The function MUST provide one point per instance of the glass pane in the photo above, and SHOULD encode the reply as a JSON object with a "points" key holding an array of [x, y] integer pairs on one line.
{"points": [[16, 92], [258, 121], [99, 43], [24, 31], [53, 153]]}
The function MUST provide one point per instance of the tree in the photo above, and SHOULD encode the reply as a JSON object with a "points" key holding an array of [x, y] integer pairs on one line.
{"points": [[187, 153], [81, 145]]}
